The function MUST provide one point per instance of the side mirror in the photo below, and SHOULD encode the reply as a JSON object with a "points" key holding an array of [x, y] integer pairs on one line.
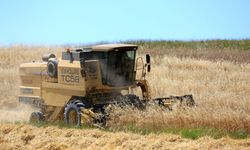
{"points": [[148, 62], [148, 58], [149, 68]]}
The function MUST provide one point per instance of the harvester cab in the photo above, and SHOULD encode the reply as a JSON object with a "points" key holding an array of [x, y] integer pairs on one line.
{"points": [[79, 84]]}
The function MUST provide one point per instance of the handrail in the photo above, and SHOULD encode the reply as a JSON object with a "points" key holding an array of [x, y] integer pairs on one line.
{"points": [[143, 74]]}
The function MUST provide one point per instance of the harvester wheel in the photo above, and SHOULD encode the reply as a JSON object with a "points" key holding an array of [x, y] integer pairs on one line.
{"points": [[36, 117], [72, 114]]}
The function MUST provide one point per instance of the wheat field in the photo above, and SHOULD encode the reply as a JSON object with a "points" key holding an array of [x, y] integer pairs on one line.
{"points": [[13, 136], [221, 91], [219, 84]]}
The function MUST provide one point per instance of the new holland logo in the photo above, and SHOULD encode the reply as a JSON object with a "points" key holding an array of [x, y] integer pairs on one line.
{"points": [[70, 75]]}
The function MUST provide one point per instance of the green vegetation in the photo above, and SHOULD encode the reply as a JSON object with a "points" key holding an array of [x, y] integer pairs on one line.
{"points": [[191, 133], [237, 51], [207, 44]]}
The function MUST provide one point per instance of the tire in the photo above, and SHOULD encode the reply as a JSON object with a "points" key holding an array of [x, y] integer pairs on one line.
{"points": [[36, 117], [73, 114]]}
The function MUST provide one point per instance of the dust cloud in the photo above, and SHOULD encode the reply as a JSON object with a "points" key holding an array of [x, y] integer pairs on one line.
{"points": [[18, 113]]}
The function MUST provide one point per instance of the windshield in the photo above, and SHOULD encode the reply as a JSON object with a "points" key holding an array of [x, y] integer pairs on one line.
{"points": [[130, 55], [121, 68]]}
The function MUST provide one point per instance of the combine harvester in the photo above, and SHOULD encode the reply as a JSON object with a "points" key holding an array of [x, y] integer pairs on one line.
{"points": [[78, 85]]}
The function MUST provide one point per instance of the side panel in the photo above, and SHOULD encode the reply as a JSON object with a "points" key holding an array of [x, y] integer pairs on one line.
{"points": [[70, 83], [70, 73], [31, 74], [30, 91], [56, 94]]}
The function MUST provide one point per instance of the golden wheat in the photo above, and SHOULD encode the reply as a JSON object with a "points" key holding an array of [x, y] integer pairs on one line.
{"points": [[221, 89], [30, 137]]}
